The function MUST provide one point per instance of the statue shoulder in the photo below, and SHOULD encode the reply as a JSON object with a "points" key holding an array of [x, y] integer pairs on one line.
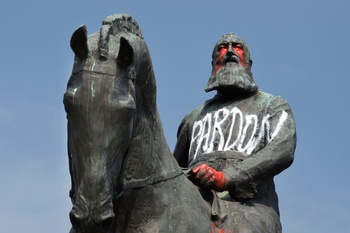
{"points": [[270, 99], [200, 110], [190, 117]]}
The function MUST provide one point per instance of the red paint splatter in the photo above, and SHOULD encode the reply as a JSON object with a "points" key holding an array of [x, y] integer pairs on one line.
{"points": [[216, 229], [224, 48], [210, 176]]}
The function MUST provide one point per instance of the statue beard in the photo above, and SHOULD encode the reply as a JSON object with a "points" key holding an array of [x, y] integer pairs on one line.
{"points": [[232, 79]]}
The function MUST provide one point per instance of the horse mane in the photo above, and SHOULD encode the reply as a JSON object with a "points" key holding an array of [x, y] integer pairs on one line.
{"points": [[104, 43], [113, 25]]}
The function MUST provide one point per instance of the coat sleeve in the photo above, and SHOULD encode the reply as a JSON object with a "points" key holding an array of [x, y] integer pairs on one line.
{"points": [[182, 144], [277, 155]]}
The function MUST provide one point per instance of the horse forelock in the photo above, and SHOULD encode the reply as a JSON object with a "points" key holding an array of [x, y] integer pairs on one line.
{"points": [[113, 25]]}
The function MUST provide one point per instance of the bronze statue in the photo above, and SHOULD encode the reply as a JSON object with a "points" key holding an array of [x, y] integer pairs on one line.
{"points": [[235, 143], [124, 177]]}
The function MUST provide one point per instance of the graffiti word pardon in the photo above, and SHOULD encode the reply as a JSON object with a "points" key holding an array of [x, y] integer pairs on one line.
{"points": [[226, 129]]}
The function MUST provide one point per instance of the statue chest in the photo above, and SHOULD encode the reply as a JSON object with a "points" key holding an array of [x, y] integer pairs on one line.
{"points": [[230, 128]]}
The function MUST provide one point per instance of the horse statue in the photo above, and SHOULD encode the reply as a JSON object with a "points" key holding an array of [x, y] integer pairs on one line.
{"points": [[124, 177]]}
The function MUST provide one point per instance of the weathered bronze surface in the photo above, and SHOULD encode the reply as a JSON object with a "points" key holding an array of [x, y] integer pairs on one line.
{"points": [[124, 177], [235, 143]]}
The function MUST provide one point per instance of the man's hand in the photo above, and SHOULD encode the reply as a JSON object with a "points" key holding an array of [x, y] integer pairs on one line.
{"points": [[207, 177]]}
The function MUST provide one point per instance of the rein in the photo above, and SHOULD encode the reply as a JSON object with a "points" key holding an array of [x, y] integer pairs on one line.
{"points": [[150, 180]]}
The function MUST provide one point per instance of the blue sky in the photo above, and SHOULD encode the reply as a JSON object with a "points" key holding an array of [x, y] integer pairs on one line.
{"points": [[300, 51]]}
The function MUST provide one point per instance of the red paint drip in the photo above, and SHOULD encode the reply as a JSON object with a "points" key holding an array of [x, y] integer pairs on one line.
{"points": [[223, 50], [218, 179], [215, 229], [239, 51]]}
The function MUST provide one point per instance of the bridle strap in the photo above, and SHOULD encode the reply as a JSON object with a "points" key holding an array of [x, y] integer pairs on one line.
{"points": [[140, 183]]}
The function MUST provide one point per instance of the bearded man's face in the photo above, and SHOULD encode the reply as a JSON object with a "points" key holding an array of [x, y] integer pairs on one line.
{"points": [[228, 51], [231, 67]]}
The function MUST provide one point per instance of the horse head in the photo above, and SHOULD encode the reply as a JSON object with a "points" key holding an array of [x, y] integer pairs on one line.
{"points": [[124, 177], [101, 104]]}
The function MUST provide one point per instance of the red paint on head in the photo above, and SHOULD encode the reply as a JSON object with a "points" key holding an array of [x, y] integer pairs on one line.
{"points": [[239, 50], [223, 49]]}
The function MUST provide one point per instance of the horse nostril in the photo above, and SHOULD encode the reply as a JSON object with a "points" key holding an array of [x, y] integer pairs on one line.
{"points": [[106, 222], [76, 220]]}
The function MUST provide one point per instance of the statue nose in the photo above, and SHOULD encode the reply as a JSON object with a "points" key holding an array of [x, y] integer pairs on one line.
{"points": [[230, 49]]}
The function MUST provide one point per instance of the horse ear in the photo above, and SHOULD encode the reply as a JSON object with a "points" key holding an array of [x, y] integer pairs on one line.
{"points": [[78, 43], [126, 53]]}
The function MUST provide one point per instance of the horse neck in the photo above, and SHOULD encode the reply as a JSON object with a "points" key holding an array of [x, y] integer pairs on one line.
{"points": [[149, 154]]}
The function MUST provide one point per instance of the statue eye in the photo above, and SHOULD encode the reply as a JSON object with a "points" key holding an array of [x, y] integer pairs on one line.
{"points": [[223, 46], [238, 48]]}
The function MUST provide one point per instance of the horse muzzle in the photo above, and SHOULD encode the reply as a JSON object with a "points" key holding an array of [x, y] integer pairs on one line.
{"points": [[92, 220]]}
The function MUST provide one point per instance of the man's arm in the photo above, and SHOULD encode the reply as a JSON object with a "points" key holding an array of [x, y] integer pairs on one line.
{"points": [[182, 144], [240, 180], [277, 155]]}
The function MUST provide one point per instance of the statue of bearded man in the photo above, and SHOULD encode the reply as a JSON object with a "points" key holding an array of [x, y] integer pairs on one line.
{"points": [[235, 143]]}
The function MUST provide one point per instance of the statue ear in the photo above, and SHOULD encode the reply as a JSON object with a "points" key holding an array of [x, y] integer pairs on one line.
{"points": [[126, 53], [78, 43], [250, 63]]}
